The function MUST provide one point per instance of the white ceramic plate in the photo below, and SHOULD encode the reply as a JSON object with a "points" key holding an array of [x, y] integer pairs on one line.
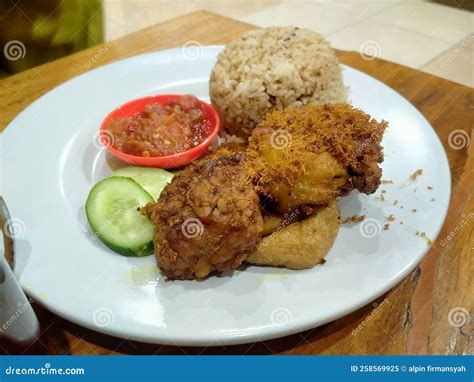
{"points": [[51, 159]]}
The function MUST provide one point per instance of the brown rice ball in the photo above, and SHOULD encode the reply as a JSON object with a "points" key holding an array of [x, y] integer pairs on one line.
{"points": [[273, 68]]}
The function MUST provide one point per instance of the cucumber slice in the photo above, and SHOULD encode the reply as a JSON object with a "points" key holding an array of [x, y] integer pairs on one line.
{"points": [[153, 180], [111, 209]]}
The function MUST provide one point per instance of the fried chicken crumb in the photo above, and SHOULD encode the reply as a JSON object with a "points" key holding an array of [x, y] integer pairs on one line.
{"points": [[386, 226], [385, 181], [391, 218], [353, 219], [395, 202], [429, 188], [416, 174], [413, 210], [432, 200], [423, 236]]}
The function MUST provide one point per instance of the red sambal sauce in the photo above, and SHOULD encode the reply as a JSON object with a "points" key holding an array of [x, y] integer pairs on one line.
{"points": [[161, 129]]}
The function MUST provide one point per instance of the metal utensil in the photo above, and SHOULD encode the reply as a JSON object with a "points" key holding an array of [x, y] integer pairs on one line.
{"points": [[18, 322]]}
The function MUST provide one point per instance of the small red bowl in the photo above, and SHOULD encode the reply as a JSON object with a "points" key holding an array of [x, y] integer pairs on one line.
{"points": [[170, 161]]}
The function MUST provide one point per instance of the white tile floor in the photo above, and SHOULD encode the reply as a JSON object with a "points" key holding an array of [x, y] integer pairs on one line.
{"points": [[423, 35]]}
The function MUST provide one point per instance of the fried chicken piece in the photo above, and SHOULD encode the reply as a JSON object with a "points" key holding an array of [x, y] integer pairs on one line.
{"points": [[208, 218], [311, 155]]}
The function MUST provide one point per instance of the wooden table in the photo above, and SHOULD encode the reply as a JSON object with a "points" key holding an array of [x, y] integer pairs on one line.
{"points": [[412, 318]]}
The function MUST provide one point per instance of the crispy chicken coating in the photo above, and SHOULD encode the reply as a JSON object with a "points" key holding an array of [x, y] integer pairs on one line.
{"points": [[208, 218], [226, 150], [311, 155]]}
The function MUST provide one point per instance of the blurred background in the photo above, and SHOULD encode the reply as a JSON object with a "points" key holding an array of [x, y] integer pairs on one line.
{"points": [[434, 36]]}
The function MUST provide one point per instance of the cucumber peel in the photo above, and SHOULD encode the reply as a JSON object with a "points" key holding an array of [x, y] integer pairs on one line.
{"points": [[153, 180], [112, 211]]}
